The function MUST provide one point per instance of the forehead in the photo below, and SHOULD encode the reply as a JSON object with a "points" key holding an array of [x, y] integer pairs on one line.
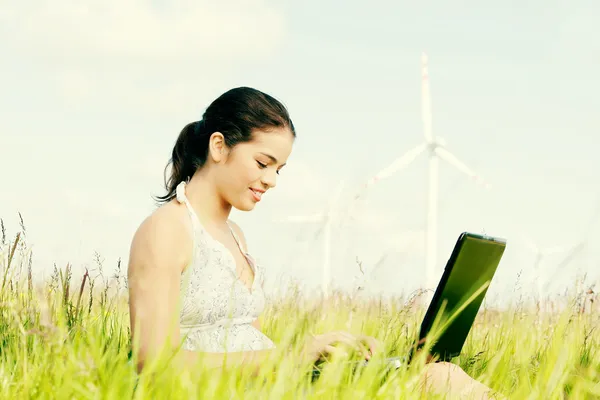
{"points": [[276, 142]]}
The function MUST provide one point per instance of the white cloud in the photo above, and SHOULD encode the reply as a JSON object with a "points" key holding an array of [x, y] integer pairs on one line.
{"points": [[137, 55], [180, 31]]}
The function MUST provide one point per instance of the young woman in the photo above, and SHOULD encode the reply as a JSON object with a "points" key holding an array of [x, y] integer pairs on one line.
{"points": [[190, 274]]}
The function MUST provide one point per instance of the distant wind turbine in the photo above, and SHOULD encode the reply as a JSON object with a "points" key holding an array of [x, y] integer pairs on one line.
{"points": [[569, 251], [326, 220], [540, 253], [436, 149]]}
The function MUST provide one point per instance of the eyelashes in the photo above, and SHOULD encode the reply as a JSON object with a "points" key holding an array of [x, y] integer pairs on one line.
{"points": [[263, 166]]}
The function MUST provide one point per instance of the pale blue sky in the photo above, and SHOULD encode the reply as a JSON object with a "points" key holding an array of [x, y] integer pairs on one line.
{"points": [[94, 96]]}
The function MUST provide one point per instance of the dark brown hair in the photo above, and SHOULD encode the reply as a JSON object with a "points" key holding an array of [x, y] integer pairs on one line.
{"points": [[236, 113]]}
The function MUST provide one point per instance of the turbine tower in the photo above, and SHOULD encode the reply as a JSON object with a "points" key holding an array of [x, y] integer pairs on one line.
{"points": [[436, 149]]}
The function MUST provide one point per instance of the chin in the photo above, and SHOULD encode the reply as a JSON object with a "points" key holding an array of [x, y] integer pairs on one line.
{"points": [[244, 206]]}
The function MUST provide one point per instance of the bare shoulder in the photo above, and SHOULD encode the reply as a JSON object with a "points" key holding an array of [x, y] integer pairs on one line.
{"points": [[163, 239], [238, 231], [160, 250]]}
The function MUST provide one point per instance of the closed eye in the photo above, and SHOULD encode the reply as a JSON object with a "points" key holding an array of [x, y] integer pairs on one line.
{"points": [[262, 166]]}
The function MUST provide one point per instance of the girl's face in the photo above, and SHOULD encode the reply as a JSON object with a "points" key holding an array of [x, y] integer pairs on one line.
{"points": [[248, 170]]}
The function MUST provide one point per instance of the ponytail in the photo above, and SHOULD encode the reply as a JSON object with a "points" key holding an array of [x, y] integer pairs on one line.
{"points": [[189, 154]]}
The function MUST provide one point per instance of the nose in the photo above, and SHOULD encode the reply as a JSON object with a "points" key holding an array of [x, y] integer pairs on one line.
{"points": [[269, 179]]}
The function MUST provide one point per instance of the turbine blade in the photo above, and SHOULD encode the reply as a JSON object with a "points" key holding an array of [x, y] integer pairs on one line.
{"points": [[451, 159], [398, 164], [426, 99], [570, 255], [568, 258]]}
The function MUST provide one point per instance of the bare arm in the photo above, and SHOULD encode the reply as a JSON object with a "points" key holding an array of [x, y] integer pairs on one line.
{"points": [[159, 252]]}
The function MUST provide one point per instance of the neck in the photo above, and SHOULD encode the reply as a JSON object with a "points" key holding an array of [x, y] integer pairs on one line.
{"points": [[205, 200]]}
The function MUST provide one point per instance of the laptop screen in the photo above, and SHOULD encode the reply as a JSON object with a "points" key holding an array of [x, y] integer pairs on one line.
{"points": [[460, 293]]}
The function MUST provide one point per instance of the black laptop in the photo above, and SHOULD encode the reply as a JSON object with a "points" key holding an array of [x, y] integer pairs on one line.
{"points": [[457, 299]]}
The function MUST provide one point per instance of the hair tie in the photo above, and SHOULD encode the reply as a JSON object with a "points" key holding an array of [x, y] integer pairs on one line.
{"points": [[180, 192]]}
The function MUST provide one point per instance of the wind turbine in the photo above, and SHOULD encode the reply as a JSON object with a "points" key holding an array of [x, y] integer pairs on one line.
{"points": [[540, 253], [326, 219], [436, 148], [570, 251]]}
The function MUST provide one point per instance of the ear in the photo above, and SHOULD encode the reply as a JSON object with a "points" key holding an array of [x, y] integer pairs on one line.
{"points": [[217, 148]]}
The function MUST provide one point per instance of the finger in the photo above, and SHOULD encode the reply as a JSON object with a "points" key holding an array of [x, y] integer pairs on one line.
{"points": [[335, 351], [364, 341], [339, 334], [333, 336], [353, 343], [358, 343], [349, 338], [343, 339], [373, 343], [360, 339], [362, 348]]}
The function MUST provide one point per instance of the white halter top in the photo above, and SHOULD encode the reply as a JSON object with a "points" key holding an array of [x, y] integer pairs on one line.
{"points": [[216, 306]]}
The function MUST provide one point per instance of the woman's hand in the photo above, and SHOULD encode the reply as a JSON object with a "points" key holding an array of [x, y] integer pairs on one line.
{"points": [[328, 344]]}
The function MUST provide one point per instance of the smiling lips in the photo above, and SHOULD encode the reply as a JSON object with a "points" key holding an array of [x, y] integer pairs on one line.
{"points": [[257, 194]]}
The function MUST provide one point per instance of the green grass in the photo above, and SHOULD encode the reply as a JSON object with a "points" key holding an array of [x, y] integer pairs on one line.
{"points": [[69, 338]]}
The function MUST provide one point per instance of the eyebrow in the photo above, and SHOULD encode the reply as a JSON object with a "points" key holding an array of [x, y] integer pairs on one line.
{"points": [[272, 158]]}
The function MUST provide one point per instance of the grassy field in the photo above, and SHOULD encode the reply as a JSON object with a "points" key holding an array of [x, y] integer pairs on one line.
{"points": [[69, 338]]}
